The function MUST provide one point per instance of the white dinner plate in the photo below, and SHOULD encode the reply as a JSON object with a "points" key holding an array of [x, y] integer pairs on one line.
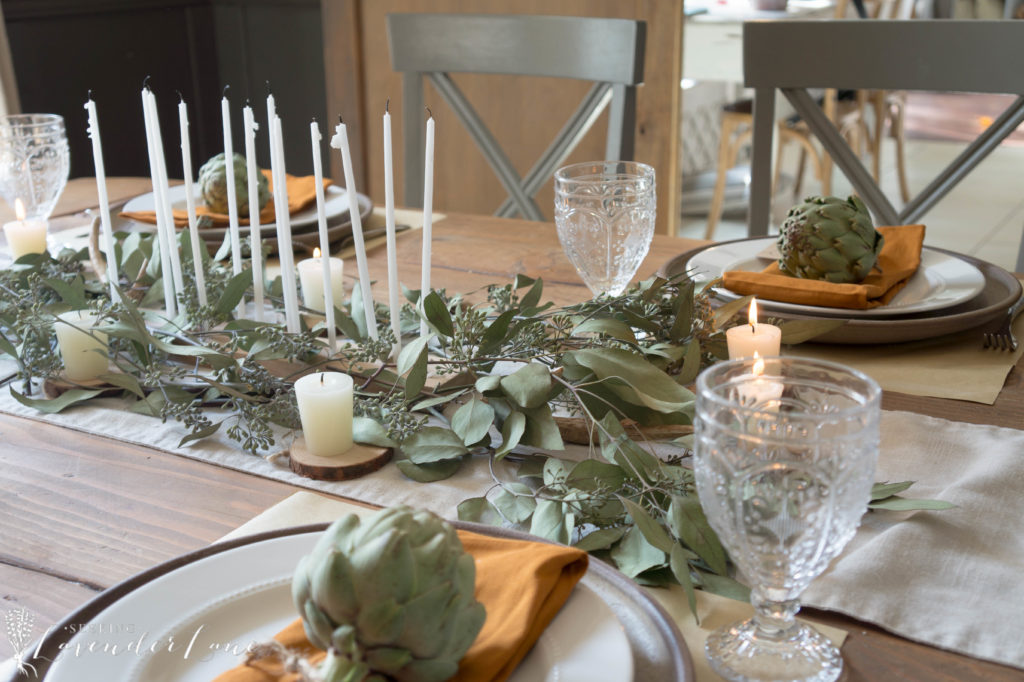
{"points": [[942, 280], [192, 623], [335, 204]]}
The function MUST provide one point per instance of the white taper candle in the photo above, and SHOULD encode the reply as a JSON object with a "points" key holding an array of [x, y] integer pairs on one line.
{"points": [[325, 244], [428, 214], [392, 246], [170, 303], [190, 204], [101, 191], [340, 141], [255, 236]]}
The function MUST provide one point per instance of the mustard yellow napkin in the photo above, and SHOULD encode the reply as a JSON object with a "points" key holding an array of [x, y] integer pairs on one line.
{"points": [[301, 193], [521, 584], [899, 259]]}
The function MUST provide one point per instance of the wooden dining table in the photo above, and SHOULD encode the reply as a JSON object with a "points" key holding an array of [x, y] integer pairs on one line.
{"points": [[80, 513]]}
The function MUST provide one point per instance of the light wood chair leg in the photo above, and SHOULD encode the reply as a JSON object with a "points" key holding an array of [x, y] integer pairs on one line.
{"points": [[878, 103], [725, 147], [801, 166], [901, 161]]}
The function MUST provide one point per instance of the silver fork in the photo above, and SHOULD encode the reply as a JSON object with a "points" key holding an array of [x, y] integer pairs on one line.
{"points": [[1003, 338]]}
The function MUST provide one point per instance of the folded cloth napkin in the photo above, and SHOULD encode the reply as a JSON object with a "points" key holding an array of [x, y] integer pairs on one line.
{"points": [[899, 259], [521, 584], [301, 193]]}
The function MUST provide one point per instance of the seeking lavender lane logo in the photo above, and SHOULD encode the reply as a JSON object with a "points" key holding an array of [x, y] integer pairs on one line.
{"points": [[18, 625]]}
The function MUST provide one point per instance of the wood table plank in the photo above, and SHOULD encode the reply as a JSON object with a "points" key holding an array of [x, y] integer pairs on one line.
{"points": [[81, 512]]}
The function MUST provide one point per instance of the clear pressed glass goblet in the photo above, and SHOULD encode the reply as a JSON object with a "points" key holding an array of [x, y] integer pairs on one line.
{"points": [[785, 459], [604, 213], [34, 162]]}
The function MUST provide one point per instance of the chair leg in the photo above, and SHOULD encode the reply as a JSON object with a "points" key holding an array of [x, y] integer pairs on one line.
{"points": [[725, 152], [878, 101], [801, 166], [901, 160]]}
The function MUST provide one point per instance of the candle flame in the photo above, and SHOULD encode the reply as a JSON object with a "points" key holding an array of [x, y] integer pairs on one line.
{"points": [[316, 252], [752, 315], [758, 368], [19, 209]]}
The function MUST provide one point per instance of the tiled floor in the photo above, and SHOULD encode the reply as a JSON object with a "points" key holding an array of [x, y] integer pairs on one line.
{"points": [[983, 216]]}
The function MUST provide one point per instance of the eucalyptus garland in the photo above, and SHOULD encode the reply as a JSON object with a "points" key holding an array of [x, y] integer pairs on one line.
{"points": [[512, 365]]}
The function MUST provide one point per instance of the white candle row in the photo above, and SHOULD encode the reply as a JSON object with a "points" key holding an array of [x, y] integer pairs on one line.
{"points": [[172, 279]]}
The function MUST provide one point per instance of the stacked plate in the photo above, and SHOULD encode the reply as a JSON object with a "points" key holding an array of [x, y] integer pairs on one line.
{"points": [[305, 234], [949, 293], [191, 619]]}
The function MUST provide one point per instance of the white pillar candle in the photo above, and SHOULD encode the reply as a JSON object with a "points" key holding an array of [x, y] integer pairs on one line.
{"points": [[340, 141], [428, 215], [190, 204], [325, 408], [255, 237], [24, 236], [101, 192], [229, 170], [744, 340], [327, 290], [312, 278], [170, 303], [163, 189], [760, 391], [389, 227], [83, 350], [284, 226]]}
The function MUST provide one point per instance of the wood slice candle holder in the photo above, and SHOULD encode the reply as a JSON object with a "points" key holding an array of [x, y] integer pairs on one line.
{"points": [[359, 461]]}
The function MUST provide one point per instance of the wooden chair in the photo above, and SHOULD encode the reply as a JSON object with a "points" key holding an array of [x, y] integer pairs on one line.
{"points": [[933, 55], [609, 52]]}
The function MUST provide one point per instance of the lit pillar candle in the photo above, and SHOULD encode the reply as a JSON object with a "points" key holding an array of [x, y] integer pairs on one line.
{"points": [[340, 141], [190, 203], [744, 340], [760, 391], [428, 214], [328, 293], [163, 241], [325, 408], [313, 273], [83, 350], [389, 227], [255, 237], [24, 236], [162, 192], [101, 192]]}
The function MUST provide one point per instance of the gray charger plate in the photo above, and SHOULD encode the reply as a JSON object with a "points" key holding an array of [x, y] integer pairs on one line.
{"points": [[1001, 291], [659, 652]]}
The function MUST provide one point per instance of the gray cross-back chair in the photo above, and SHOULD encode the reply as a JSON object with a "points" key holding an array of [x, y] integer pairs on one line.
{"points": [[940, 56], [609, 52]]}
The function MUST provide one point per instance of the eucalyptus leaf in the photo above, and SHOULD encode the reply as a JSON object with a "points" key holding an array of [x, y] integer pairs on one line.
{"points": [[681, 570], [532, 466], [233, 292], [648, 385], [590, 474], [691, 364], [433, 444], [683, 324], [55, 405], [427, 403], [496, 333], [205, 432], [689, 524], [125, 381], [429, 472], [880, 491], [511, 433], [548, 521], [515, 502], [634, 554], [73, 294], [532, 297], [437, 314], [478, 510], [370, 432], [724, 586], [472, 421], [528, 386], [608, 326], [906, 504], [411, 353], [726, 312], [602, 538], [541, 431], [488, 383], [651, 529]]}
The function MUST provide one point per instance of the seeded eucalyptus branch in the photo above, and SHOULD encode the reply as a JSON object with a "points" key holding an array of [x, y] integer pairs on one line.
{"points": [[497, 380]]}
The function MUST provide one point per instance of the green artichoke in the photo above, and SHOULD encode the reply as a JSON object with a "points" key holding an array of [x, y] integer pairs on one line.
{"points": [[389, 598], [829, 238], [213, 183]]}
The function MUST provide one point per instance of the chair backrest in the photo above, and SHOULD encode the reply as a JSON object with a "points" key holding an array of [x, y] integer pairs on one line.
{"points": [[942, 56], [609, 52]]}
